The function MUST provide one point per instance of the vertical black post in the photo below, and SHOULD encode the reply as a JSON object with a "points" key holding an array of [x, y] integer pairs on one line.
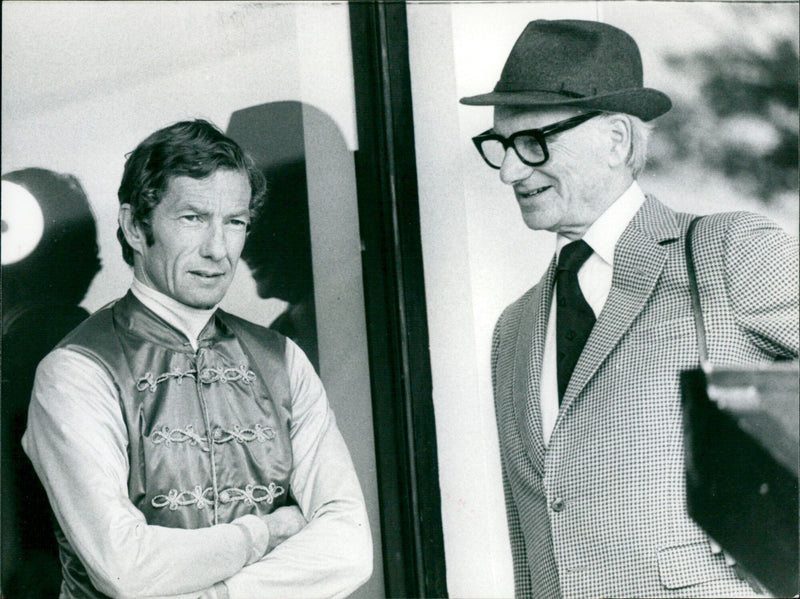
{"points": [[405, 432]]}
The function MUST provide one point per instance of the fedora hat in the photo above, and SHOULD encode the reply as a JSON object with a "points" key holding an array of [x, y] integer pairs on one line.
{"points": [[585, 64]]}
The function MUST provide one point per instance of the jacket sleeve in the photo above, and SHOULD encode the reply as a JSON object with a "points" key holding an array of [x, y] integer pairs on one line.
{"points": [[761, 277], [519, 556], [332, 555]]}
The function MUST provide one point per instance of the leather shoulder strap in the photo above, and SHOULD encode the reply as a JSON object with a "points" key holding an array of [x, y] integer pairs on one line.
{"points": [[697, 309]]}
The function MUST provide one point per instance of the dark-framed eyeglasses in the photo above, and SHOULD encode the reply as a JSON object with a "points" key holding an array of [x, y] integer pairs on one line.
{"points": [[530, 144]]}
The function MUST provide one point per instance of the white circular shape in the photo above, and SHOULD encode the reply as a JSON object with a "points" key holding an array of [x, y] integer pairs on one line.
{"points": [[23, 223]]}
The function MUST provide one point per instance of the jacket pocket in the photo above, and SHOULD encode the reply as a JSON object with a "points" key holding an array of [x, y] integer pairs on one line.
{"points": [[686, 565]]}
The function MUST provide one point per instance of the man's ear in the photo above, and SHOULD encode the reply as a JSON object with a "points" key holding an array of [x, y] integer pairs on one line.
{"points": [[132, 230], [620, 137]]}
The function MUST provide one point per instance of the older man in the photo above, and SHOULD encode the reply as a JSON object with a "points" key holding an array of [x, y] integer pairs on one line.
{"points": [[185, 451], [586, 364]]}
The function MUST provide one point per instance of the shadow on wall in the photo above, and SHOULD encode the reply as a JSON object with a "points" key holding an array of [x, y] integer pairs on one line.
{"points": [[278, 249], [41, 293]]}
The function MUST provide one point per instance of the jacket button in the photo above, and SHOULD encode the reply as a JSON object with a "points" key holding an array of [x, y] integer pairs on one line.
{"points": [[557, 504]]}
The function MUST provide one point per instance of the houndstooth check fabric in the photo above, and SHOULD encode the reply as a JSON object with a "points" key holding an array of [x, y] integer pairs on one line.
{"points": [[602, 511]]}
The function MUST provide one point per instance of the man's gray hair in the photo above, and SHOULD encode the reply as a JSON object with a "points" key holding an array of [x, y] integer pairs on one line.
{"points": [[640, 135]]}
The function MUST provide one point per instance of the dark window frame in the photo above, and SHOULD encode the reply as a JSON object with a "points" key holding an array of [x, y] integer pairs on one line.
{"points": [[394, 290]]}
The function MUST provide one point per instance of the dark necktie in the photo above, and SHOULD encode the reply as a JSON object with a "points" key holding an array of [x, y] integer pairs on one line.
{"points": [[574, 316]]}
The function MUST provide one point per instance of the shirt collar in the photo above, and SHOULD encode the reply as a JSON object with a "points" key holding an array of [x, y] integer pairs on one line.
{"points": [[604, 233], [189, 321]]}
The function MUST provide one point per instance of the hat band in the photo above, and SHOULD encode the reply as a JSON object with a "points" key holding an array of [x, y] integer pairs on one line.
{"points": [[506, 86]]}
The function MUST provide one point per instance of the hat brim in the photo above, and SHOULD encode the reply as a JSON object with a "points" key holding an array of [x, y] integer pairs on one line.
{"points": [[645, 103]]}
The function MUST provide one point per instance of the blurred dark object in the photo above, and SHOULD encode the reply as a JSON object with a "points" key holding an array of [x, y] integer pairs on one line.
{"points": [[741, 447], [278, 248], [41, 294], [66, 259], [744, 121]]}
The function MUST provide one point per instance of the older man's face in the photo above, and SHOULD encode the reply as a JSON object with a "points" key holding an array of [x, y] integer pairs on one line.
{"points": [[564, 195], [199, 229]]}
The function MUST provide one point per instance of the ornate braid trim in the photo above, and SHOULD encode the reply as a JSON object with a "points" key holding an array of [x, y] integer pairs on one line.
{"points": [[252, 494], [209, 375], [149, 381], [168, 436], [228, 375], [175, 499], [243, 435], [200, 498], [220, 435]]}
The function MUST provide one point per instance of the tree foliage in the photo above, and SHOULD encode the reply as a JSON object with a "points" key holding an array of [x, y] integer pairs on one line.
{"points": [[742, 121]]}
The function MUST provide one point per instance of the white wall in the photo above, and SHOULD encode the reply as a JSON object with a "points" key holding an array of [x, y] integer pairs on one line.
{"points": [[478, 254], [84, 82]]}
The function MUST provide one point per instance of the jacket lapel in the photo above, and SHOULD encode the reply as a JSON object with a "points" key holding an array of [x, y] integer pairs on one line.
{"points": [[527, 368], [639, 258]]}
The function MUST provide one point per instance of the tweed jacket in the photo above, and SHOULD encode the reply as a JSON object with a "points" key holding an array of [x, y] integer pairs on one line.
{"points": [[601, 511]]}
